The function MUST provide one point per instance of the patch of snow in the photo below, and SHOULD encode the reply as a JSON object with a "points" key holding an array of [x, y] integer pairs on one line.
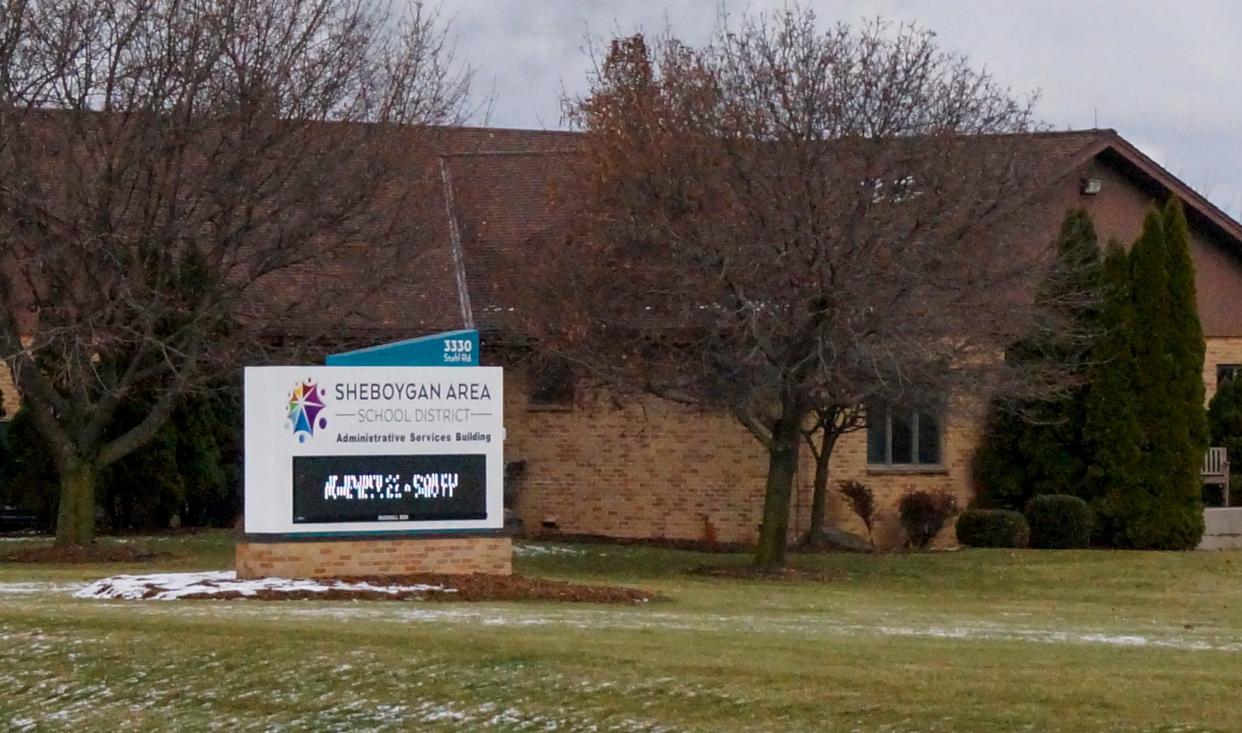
{"points": [[809, 626], [530, 549], [171, 586], [1052, 631], [1050, 636], [24, 588]]}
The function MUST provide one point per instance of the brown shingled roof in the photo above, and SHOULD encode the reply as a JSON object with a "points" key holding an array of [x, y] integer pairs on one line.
{"points": [[503, 201], [500, 186], [426, 292]]}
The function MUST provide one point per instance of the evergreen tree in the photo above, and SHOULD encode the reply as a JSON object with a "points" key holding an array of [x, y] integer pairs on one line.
{"points": [[1186, 343], [1036, 447], [1131, 440], [1000, 479], [1111, 430], [1163, 510]]}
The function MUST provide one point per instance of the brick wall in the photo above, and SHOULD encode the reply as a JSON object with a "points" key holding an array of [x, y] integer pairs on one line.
{"points": [[649, 468], [1219, 351], [849, 461], [633, 468], [8, 392], [403, 556], [653, 469]]}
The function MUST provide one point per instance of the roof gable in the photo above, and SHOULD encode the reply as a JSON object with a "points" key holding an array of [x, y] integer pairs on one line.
{"points": [[1112, 149]]}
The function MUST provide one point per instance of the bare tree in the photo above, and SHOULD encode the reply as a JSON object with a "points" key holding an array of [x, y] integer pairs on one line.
{"points": [[182, 179], [790, 221], [827, 423]]}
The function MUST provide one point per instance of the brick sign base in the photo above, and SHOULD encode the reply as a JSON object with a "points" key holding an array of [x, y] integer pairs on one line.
{"points": [[395, 556]]}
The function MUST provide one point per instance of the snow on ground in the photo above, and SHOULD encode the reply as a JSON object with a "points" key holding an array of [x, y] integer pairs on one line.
{"points": [[27, 588], [531, 549], [171, 586], [800, 625], [1028, 629]]}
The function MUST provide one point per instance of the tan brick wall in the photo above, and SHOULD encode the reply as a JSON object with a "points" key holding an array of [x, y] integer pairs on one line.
{"points": [[649, 468], [1219, 351], [634, 468], [405, 556], [961, 436], [8, 392], [654, 469]]}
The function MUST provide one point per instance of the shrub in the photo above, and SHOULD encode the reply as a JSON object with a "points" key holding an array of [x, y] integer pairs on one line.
{"points": [[861, 501], [1225, 418], [1059, 522], [993, 528], [924, 513]]}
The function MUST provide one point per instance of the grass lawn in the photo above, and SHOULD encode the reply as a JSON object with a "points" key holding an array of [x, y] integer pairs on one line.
{"points": [[964, 641]]}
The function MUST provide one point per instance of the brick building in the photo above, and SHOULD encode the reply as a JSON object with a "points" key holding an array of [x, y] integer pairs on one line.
{"points": [[650, 468], [589, 463]]}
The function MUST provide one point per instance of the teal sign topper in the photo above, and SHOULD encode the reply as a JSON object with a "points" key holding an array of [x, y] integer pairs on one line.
{"points": [[451, 348]]}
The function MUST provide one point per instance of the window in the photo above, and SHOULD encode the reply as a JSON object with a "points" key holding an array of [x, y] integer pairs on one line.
{"points": [[902, 436], [1227, 371], [551, 384]]}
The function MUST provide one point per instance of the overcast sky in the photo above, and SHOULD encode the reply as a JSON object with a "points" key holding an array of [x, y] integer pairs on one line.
{"points": [[1166, 75]]}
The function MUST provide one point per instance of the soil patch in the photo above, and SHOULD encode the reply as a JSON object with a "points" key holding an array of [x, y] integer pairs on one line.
{"points": [[432, 587], [73, 554], [746, 572], [522, 588]]}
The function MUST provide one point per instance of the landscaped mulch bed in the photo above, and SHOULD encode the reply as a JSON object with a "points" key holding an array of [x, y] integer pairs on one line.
{"points": [[431, 587], [522, 588]]}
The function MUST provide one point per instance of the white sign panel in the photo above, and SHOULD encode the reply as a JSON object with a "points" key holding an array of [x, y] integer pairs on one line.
{"points": [[341, 450]]}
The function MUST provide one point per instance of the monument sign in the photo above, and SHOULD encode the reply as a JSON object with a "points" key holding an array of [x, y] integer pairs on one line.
{"points": [[363, 450]]}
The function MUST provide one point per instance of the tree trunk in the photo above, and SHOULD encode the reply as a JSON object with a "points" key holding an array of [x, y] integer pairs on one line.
{"points": [[75, 522], [782, 468], [819, 494]]}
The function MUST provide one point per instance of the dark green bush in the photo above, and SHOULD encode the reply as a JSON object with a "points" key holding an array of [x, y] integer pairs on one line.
{"points": [[1059, 522], [27, 474], [993, 528], [1225, 419], [924, 513]]}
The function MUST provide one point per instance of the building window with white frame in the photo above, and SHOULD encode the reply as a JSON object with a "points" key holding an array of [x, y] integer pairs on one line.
{"points": [[900, 437]]}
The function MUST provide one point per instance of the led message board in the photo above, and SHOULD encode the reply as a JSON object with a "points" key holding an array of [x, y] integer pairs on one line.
{"points": [[347, 450]]}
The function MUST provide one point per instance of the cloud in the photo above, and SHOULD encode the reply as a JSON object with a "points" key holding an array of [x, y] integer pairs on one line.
{"points": [[1165, 75]]}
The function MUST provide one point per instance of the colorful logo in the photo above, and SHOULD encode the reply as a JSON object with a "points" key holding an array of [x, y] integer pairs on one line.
{"points": [[305, 404]]}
